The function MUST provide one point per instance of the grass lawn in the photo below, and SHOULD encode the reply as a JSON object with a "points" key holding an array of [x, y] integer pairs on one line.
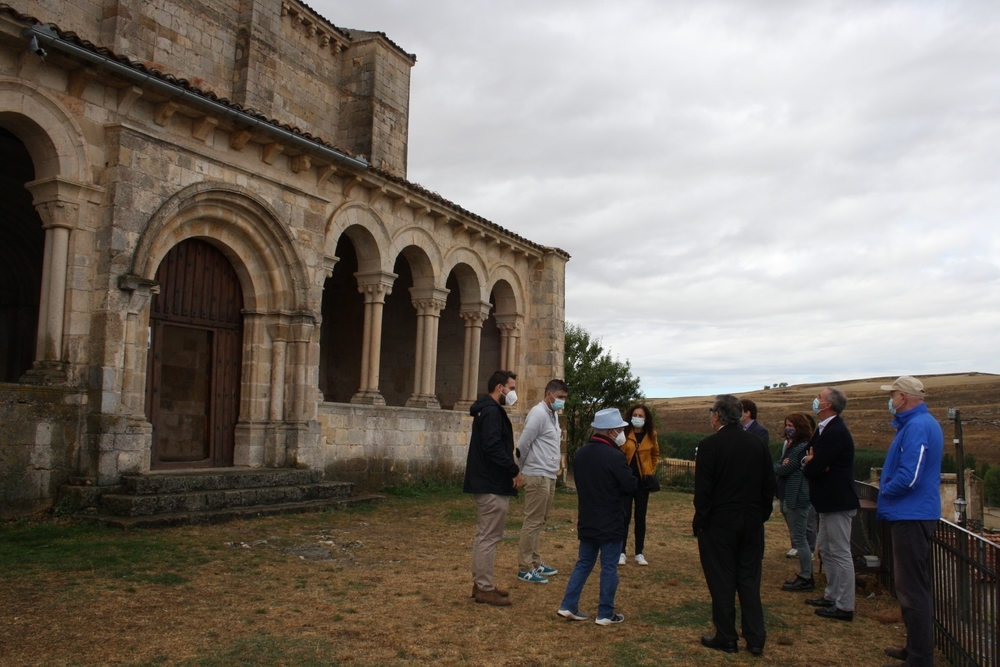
{"points": [[387, 585]]}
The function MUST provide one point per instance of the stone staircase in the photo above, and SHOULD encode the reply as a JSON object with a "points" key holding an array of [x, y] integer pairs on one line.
{"points": [[161, 499]]}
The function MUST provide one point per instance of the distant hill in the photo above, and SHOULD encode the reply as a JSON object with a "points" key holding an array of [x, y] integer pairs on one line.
{"points": [[977, 395]]}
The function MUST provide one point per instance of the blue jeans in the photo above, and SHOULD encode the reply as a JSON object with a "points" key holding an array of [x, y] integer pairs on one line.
{"points": [[609, 576]]}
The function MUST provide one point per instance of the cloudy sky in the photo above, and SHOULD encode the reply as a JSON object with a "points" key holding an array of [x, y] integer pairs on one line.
{"points": [[752, 192]]}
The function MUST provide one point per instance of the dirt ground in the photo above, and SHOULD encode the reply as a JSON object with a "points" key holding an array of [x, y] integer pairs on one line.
{"points": [[977, 395], [384, 586]]}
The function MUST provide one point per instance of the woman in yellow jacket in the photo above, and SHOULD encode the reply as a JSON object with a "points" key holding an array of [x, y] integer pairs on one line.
{"points": [[642, 453]]}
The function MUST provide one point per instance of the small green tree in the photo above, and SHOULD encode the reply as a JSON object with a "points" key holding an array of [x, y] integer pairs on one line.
{"points": [[596, 381], [991, 486]]}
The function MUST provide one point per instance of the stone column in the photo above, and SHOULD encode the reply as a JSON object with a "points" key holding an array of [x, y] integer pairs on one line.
{"points": [[140, 291], [59, 203], [474, 316], [375, 286], [279, 343], [429, 303], [509, 326]]}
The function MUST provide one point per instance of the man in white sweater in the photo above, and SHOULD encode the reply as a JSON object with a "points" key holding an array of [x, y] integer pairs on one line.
{"points": [[538, 456]]}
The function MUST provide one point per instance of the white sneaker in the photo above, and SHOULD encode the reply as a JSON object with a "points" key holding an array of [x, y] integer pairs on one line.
{"points": [[792, 553], [641, 560], [621, 559], [617, 618]]}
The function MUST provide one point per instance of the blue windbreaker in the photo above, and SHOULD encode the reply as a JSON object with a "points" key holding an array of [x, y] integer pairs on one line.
{"points": [[910, 489]]}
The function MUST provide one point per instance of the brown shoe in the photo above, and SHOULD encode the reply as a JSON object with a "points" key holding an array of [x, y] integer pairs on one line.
{"points": [[491, 597], [499, 591], [897, 653]]}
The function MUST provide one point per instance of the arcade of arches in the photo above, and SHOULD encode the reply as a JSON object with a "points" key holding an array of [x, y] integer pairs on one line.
{"points": [[178, 292]]}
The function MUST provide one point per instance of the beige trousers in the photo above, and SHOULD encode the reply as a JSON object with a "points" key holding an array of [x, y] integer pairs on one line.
{"points": [[491, 517], [539, 493]]}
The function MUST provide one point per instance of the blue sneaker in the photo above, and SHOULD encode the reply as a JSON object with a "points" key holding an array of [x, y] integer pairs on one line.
{"points": [[545, 570], [532, 577]]}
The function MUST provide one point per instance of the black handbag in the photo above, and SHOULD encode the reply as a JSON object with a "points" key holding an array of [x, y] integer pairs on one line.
{"points": [[651, 483]]}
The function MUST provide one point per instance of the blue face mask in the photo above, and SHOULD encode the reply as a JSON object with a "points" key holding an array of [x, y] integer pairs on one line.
{"points": [[789, 432], [558, 404], [892, 409], [816, 405]]}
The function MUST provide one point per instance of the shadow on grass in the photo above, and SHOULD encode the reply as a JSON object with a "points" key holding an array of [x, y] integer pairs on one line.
{"points": [[262, 649], [687, 614], [136, 556]]}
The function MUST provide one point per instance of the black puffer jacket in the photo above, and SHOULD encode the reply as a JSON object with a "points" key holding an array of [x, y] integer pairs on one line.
{"points": [[602, 479], [490, 466]]}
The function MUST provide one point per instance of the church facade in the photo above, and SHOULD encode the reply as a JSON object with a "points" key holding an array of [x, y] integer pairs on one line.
{"points": [[213, 257]]}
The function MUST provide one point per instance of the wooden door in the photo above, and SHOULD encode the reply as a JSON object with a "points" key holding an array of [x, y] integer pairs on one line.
{"points": [[195, 357]]}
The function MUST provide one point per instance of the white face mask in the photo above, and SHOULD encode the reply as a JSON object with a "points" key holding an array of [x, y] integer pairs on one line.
{"points": [[510, 398], [620, 438], [638, 422]]}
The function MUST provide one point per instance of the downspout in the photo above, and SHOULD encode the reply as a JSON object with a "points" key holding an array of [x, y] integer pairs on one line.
{"points": [[46, 35]]}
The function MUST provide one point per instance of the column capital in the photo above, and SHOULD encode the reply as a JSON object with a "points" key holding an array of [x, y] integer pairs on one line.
{"points": [[58, 200], [139, 289], [429, 300], [511, 323], [375, 285], [475, 313]]}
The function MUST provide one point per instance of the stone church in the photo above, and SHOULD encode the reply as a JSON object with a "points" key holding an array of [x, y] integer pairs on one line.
{"points": [[212, 256]]}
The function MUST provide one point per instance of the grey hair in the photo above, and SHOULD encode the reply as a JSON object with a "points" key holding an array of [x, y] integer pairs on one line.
{"points": [[837, 398], [729, 409]]}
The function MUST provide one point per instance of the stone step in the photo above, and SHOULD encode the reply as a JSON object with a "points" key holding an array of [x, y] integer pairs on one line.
{"points": [[228, 514], [217, 479], [129, 505]]}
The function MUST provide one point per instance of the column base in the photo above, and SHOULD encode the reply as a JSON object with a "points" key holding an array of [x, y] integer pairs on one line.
{"points": [[47, 373], [463, 405], [367, 398], [423, 401]]}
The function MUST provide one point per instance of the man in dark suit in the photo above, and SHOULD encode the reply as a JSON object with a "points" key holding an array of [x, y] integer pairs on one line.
{"points": [[749, 421], [829, 467], [733, 491]]}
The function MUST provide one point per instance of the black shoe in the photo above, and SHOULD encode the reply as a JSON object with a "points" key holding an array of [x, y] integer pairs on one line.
{"points": [[756, 650], [834, 612], [821, 602], [897, 653], [800, 584], [712, 642]]}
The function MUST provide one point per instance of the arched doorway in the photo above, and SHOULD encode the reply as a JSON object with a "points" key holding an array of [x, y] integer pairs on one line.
{"points": [[20, 260], [193, 374]]}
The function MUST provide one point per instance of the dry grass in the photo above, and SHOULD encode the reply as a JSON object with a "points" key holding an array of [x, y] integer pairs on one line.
{"points": [[395, 591]]}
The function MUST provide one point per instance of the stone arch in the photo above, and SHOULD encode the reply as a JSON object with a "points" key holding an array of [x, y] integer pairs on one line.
{"points": [[426, 265], [375, 246], [244, 228], [471, 274], [53, 138], [506, 289]]}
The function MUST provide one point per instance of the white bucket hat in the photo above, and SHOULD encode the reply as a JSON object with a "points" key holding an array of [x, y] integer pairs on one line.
{"points": [[608, 418]]}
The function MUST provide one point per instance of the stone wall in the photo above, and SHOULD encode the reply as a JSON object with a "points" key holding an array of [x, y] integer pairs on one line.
{"points": [[374, 446], [40, 434]]}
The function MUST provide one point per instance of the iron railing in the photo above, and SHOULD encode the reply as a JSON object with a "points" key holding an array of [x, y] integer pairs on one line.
{"points": [[676, 474], [964, 572]]}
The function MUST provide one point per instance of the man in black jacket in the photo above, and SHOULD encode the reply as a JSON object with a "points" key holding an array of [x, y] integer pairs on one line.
{"points": [[493, 477], [733, 491], [829, 467], [749, 421], [602, 479]]}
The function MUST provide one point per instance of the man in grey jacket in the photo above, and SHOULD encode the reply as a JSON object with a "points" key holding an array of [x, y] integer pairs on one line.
{"points": [[538, 456]]}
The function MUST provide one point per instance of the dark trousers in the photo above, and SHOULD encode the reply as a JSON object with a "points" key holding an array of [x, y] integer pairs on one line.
{"points": [[731, 559], [641, 499], [911, 560]]}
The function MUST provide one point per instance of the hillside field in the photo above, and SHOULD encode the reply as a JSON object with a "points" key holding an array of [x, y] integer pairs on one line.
{"points": [[977, 395]]}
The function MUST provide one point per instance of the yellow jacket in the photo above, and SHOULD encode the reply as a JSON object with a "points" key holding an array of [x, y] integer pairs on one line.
{"points": [[649, 452]]}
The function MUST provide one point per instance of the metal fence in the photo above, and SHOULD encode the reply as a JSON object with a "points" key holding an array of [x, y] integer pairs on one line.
{"points": [[676, 474], [964, 569]]}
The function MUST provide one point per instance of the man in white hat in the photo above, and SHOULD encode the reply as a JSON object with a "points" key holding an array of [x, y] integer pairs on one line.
{"points": [[602, 479], [909, 499]]}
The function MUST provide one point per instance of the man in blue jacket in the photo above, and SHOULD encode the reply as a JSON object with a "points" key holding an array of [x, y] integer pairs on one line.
{"points": [[602, 479], [493, 477], [910, 500]]}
